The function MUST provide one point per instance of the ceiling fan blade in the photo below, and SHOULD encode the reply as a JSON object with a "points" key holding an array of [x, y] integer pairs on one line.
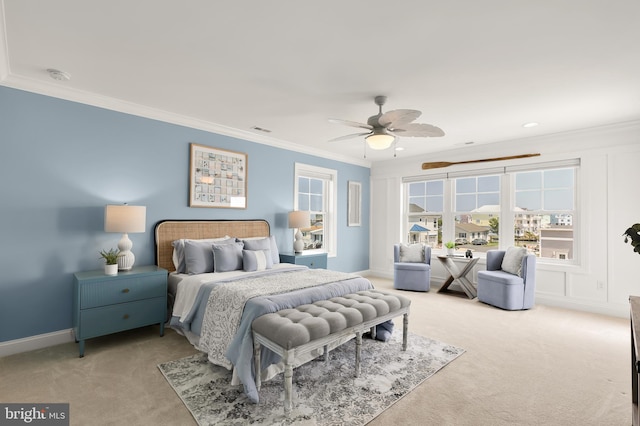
{"points": [[350, 123], [419, 130], [341, 138], [398, 117]]}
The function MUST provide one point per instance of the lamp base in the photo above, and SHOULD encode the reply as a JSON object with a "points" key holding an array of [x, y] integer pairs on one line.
{"points": [[298, 244], [126, 259]]}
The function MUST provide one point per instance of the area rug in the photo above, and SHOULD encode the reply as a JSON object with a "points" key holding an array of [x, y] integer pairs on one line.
{"points": [[323, 394]]}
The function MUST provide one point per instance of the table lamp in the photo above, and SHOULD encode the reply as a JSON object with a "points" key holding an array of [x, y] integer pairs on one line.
{"points": [[126, 219], [298, 219]]}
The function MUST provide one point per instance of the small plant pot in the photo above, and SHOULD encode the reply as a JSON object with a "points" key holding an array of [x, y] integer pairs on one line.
{"points": [[450, 251], [111, 269]]}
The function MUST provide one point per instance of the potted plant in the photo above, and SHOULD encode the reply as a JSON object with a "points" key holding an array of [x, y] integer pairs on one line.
{"points": [[110, 261], [451, 246], [633, 234]]}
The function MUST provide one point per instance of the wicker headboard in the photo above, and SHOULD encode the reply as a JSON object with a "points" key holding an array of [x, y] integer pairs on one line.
{"points": [[167, 231]]}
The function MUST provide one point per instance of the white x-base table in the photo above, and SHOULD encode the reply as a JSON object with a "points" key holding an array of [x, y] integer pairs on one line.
{"points": [[457, 275]]}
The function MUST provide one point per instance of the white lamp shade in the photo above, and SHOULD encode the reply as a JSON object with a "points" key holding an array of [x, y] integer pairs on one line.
{"points": [[125, 218], [299, 219], [379, 141]]}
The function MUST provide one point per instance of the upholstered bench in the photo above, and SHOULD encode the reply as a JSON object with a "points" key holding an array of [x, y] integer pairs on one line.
{"points": [[294, 332]]}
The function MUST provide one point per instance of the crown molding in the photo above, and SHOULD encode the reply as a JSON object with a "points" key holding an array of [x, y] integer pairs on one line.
{"points": [[74, 95]]}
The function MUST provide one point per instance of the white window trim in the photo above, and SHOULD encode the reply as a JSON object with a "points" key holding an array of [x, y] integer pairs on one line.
{"points": [[330, 245], [507, 202]]}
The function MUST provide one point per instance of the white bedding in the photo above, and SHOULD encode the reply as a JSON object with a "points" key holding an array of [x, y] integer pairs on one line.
{"points": [[187, 286]]}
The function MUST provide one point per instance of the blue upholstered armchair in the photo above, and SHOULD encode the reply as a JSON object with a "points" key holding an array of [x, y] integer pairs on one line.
{"points": [[412, 271], [513, 289]]}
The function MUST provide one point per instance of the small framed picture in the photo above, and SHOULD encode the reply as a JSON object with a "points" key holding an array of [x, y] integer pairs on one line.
{"points": [[217, 178]]}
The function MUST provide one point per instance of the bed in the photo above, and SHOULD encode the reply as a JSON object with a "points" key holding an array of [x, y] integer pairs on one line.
{"points": [[225, 273]]}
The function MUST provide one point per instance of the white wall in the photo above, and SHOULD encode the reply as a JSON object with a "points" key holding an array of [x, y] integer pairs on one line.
{"points": [[608, 197]]}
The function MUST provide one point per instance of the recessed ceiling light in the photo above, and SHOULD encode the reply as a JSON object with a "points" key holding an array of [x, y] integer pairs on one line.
{"points": [[400, 148], [58, 75], [532, 124]]}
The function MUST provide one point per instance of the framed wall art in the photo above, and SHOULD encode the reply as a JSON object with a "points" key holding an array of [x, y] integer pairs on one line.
{"points": [[354, 205], [217, 178]]}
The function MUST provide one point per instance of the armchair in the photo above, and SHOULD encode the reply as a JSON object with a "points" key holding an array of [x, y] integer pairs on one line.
{"points": [[507, 290], [412, 274]]}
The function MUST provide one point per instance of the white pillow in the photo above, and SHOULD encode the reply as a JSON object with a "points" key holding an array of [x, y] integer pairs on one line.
{"points": [[512, 260], [412, 253]]}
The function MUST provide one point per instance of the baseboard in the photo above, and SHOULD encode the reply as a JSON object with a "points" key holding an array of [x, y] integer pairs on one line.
{"points": [[609, 309], [612, 310], [36, 342]]}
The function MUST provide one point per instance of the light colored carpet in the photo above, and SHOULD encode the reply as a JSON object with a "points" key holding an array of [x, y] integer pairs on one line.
{"points": [[323, 393], [545, 366]]}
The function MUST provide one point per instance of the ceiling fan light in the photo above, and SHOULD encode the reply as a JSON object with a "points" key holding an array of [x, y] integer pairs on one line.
{"points": [[379, 141]]}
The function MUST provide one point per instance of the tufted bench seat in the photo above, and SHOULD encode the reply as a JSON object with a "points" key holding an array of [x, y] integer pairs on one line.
{"points": [[295, 332]]}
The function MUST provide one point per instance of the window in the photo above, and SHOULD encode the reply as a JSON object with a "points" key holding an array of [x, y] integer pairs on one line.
{"points": [[425, 207], [477, 211], [532, 206], [544, 212], [315, 191]]}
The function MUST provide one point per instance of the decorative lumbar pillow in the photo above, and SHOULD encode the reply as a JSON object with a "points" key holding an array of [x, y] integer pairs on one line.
{"points": [[263, 243], [412, 253], [179, 261], [227, 257], [256, 260], [512, 260]]}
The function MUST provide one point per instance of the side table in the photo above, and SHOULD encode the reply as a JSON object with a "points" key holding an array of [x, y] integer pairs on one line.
{"points": [[458, 276], [106, 304]]}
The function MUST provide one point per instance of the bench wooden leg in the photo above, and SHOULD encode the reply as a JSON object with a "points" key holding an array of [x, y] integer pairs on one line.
{"points": [[405, 331], [288, 384], [256, 363], [358, 351]]}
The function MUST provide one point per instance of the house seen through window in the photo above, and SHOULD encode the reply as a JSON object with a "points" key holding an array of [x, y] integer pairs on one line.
{"points": [[531, 208]]}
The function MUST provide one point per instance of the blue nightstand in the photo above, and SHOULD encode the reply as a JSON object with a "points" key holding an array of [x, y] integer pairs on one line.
{"points": [[106, 304], [312, 260]]}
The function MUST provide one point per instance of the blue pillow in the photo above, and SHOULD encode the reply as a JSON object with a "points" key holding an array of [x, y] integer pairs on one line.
{"points": [[256, 260], [180, 261], [266, 243], [198, 258], [227, 257]]}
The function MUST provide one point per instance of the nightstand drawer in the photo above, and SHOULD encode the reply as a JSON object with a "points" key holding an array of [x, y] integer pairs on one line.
{"points": [[312, 260], [111, 319], [122, 290]]}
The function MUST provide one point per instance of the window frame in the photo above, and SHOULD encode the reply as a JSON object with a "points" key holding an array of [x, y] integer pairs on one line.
{"points": [[507, 204], [330, 201], [435, 216], [493, 213], [542, 211]]}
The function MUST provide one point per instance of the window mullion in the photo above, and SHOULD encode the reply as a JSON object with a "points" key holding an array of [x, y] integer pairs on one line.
{"points": [[448, 215], [507, 212]]}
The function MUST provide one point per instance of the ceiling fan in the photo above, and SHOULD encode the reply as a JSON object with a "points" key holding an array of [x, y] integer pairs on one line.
{"points": [[384, 128]]}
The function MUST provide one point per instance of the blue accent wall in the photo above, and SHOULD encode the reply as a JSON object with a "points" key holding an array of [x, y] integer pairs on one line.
{"points": [[62, 162]]}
